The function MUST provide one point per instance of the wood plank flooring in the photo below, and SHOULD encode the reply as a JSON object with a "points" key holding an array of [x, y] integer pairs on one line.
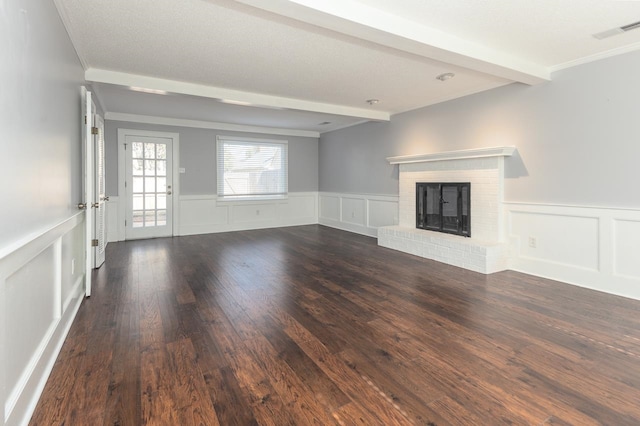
{"points": [[311, 325]]}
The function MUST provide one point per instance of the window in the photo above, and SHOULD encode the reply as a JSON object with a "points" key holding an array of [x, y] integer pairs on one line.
{"points": [[251, 168]]}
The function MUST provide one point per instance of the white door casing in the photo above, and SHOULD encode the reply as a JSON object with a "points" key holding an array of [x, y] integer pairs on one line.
{"points": [[99, 204], [148, 182]]}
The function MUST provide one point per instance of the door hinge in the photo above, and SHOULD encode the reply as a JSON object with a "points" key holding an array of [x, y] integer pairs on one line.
{"points": [[94, 130], [94, 243], [125, 223], [85, 119]]}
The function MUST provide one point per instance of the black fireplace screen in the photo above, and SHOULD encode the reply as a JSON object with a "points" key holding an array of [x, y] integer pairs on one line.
{"points": [[444, 207]]}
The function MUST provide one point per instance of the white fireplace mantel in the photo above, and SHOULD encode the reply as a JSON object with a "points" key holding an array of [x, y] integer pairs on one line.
{"points": [[498, 151]]}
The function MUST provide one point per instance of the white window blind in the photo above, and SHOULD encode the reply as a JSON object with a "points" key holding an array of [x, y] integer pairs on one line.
{"points": [[252, 168]]}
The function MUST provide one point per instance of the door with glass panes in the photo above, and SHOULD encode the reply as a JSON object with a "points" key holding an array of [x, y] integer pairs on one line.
{"points": [[149, 187]]}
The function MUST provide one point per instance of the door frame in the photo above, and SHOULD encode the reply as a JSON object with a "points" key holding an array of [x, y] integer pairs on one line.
{"points": [[97, 197], [122, 173]]}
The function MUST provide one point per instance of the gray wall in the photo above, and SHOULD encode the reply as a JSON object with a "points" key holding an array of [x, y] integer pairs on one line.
{"points": [[578, 138], [354, 160], [40, 149], [198, 157]]}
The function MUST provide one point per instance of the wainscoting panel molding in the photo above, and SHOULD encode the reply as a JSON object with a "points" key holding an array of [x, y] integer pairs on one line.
{"points": [[204, 214], [626, 250], [329, 207], [41, 288], [112, 218], [359, 213], [354, 210], [593, 247]]}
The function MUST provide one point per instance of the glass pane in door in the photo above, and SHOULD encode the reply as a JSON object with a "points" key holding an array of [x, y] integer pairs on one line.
{"points": [[149, 190]]}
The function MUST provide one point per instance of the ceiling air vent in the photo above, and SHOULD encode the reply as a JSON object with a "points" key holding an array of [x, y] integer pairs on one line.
{"points": [[619, 30], [630, 27]]}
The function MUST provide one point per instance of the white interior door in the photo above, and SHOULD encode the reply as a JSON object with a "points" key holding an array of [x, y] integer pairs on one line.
{"points": [[99, 204], [148, 184], [88, 189]]}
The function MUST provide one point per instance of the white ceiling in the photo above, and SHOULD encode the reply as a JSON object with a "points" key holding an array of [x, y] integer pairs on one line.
{"points": [[316, 61]]}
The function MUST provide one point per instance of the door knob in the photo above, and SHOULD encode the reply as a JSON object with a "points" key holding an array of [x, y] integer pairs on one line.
{"points": [[82, 206], [95, 205], [168, 192]]}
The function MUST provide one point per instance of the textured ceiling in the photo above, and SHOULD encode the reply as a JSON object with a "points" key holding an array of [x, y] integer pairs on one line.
{"points": [[547, 32], [320, 61]]}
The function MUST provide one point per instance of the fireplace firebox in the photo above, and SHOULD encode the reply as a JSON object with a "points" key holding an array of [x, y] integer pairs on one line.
{"points": [[444, 207]]}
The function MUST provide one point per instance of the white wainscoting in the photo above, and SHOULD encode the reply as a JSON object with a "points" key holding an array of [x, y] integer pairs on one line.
{"points": [[359, 213], [41, 287], [597, 248], [112, 218], [204, 214]]}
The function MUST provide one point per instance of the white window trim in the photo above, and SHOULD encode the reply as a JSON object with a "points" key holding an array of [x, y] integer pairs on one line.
{"points": [[231, 199]]}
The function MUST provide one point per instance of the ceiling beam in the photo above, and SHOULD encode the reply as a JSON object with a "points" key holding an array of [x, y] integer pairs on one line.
{"points": [[368, 23], [229, 95], [199, 124]]}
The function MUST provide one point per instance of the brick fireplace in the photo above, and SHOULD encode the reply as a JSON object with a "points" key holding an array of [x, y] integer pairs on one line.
{"points": [[486, 251]]}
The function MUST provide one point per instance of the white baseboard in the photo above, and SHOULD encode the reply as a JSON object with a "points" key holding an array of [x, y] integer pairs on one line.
{"points": [[359, 213], [592, 247]]}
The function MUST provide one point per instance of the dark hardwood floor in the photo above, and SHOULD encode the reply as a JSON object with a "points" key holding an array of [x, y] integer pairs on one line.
{"points": [[311, 325]]}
